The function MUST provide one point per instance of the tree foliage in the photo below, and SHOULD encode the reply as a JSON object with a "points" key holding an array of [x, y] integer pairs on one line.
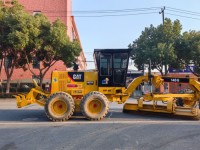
{"points": [[157, 44], [50, 45], [14, 36], [188, 51], [25, 38]]}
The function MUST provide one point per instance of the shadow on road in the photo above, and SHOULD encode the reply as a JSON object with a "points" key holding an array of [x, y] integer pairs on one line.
{"points": [[159, 116], [38, 115], [12, 115]]}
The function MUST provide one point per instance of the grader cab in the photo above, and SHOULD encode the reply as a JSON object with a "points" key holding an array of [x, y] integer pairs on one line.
{"points": [[91, 91]]}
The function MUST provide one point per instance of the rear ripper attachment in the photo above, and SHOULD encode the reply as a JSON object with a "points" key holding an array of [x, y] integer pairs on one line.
{"points": [[36, 95]]}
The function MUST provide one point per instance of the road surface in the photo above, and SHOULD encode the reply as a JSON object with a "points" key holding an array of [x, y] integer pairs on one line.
{"points": [[29, 129]]}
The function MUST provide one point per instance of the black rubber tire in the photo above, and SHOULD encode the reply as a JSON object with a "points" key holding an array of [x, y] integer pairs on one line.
{"points": [[66, 98], [179, 102], [94, 95]]}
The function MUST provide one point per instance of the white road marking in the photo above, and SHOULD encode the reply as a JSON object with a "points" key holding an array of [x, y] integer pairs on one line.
{"points": [[30, 119], [99, 122]]}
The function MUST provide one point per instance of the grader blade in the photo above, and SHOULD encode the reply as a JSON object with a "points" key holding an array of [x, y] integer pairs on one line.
{"points": [[154, 103]]}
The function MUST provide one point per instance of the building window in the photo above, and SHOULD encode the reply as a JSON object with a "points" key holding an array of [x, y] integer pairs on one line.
{"points": [[36, 12], [73, 35]]}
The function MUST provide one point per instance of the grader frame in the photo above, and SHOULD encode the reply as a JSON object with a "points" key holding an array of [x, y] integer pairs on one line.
{"points": [[91, 91]]}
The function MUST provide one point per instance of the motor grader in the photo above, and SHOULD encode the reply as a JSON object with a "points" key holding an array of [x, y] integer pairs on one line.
{"points": [[91, 91]]}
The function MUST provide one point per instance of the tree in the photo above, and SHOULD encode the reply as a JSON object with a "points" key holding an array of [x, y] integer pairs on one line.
{"points": [[49, 46], [157, 44], [188, 51], [26, 39], [14, 36], [1, 50], [70, 53]]}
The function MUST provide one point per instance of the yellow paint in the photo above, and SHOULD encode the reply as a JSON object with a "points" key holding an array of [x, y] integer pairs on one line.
{"points": [[62, 82], [59, 107], [95, 106]]}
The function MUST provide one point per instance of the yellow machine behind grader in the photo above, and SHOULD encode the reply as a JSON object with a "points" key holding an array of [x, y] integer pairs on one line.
{"points": [[91, 91]]}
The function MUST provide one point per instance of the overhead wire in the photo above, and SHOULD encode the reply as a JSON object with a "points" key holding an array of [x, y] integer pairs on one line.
{"points": [[183, 16], [176, 11], [102, 11], [182, 13], [106, 13], [124, 12], [98, 16], [118, 10], [181, 10]]}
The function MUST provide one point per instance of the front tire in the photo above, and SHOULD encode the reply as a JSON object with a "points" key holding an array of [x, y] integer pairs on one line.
{"points": [[94, 106], [59, 106]]}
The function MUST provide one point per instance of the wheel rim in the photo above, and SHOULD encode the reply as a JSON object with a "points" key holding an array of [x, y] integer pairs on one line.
{"points": [[59, 107], [188, 102], [95, 106]]}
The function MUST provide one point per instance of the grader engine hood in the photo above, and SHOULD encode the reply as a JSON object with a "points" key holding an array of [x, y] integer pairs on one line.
{"points": [[75, 83]]}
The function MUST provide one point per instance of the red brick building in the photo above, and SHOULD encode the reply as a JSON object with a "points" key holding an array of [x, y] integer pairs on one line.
{"points": [[53, 9]]}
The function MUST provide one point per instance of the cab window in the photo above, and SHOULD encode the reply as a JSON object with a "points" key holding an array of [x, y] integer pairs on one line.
{"points": [[105, 65], [120, 61]]}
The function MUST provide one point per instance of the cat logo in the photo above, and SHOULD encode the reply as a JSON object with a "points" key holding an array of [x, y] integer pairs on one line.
{"points": [[77, 76]]}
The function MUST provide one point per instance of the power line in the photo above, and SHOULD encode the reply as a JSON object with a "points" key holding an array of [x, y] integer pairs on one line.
{"points": [[118, 10], [183, 16], [119, 15], [102, 11], [181, 10], [99, 16], [178, 12]]}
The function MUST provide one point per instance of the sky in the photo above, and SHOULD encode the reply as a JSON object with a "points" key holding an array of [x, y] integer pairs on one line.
{"points": [[120, 31]]}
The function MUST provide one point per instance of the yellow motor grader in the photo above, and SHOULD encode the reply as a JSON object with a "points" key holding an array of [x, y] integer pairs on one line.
{"points": [[91, 91]]}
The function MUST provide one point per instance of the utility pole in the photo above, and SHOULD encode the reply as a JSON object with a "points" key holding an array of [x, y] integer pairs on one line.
{"points": [[163, 14], [165, 65], [163, 19]]}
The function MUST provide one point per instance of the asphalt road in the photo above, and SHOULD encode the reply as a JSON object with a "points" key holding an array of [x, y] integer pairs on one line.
{"points": [[29, 129]]}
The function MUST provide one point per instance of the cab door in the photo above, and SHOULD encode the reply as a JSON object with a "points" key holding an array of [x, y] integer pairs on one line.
{"points": [[105, 72], [113, 69], [120, 63]]}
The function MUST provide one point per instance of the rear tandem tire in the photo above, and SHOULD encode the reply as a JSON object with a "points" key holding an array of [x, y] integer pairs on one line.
{"points": [[59, 106], [94, 106]]}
